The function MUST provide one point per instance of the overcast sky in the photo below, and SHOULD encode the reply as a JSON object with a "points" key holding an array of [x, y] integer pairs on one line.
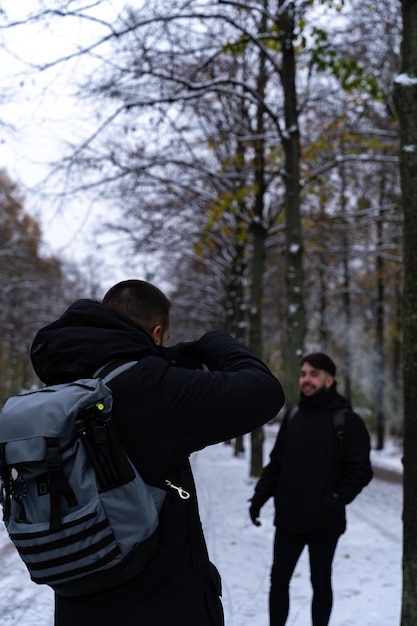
{"points": [[39, 114]]}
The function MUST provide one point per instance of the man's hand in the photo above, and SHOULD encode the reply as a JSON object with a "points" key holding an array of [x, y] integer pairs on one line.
{"points": [[254, 511]]}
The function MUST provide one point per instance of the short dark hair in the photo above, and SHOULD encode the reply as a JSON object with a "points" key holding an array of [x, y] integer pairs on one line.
{"points": [[320, 361], [139, 301]]}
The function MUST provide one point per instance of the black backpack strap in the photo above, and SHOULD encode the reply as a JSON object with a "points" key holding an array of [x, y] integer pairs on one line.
{"points": [[339, 421], [5, 474], [292, 412], [12, 488], [98, 434], [58, 484], [2, 458], [110, 370]]}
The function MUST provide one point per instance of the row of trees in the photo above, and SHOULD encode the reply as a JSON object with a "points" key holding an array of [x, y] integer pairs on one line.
{"points": [[34, 289], [252, 146]]}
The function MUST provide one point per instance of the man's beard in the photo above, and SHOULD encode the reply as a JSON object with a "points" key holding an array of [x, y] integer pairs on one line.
{"points": [[312, 389]]}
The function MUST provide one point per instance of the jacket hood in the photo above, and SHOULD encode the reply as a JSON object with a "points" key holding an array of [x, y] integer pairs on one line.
{"points": [[87, 336]]}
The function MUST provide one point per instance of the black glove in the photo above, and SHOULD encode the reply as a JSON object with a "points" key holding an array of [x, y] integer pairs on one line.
{"points": [[182, 355], [254, 511]]}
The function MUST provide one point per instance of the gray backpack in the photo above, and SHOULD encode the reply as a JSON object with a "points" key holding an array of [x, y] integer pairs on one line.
{"points": [[73, 504]]}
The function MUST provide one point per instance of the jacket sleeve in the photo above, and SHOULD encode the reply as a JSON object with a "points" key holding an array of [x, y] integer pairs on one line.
{"points": [[268, 481], [357, 469], [237, 394]]}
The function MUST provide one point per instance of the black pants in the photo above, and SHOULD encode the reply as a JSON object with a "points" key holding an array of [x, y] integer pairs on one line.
{"points": [[287, 550]]}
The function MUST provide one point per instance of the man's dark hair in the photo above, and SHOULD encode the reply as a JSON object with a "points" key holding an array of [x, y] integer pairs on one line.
{"points": [[320, 361], [141, 302]]}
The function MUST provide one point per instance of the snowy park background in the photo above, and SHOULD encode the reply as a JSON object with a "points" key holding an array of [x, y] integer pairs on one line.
{"points": [[366, 569]]}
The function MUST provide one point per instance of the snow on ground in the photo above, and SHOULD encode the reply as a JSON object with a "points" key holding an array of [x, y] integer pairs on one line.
{"points": [[366, 569]]}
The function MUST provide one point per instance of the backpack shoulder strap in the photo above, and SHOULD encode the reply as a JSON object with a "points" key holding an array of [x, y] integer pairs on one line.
{"points": [[293, 410], [339, 421], [112, 369]]}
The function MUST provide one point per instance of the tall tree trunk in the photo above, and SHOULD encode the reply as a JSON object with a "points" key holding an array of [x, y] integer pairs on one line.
{"points": [[379, 329], [236, 322], [296, 318], [347, 304], [255, 335], [348, 319], [396, 401], [259, 235], [322, 282], [405, 93]]}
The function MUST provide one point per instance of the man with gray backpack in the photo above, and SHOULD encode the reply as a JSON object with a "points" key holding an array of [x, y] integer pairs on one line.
{"points": [[135, 554]]}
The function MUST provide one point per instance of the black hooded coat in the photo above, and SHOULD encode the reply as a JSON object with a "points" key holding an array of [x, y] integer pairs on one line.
{"points": [[312, 475], [165, 407]]}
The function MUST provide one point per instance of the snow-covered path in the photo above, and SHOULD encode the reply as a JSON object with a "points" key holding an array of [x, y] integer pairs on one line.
{"points": [[367, 566], [21, 601]]}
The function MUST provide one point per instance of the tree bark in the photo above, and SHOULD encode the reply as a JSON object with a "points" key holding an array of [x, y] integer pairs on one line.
{"points": [[405, 93], [296, 322], [380, 328], [259, 235]]}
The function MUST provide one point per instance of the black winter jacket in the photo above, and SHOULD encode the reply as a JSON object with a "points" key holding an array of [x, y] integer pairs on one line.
{"points": [[165, 408], [312, 475]]}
